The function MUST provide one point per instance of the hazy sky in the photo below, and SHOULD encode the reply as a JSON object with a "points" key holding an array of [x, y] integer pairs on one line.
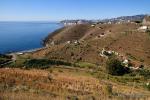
{"points": [[24, 10]]}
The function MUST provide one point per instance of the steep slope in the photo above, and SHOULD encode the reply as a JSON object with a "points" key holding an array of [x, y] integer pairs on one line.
{"points": [[122, 38], [68, 33]]}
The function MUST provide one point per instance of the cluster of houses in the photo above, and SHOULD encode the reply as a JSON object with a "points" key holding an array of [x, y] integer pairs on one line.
{"points": [[125, 61], [52, 43], [74, 41], [119, 20], [145, 23], [123, 19], [107, 53], [113, 22], [74, 22]]}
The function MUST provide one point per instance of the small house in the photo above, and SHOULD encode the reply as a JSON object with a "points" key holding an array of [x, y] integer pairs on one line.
{"points": [[109, 22], [102, 34], [93, 25], [143, 28], [20, 53], [68, 42], [126, 62]]}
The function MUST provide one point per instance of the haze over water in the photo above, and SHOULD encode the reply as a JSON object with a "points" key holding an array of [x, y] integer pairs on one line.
{"points": [[19, 36]]}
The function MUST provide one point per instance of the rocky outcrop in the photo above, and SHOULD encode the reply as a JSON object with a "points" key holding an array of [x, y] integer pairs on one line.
{"points": [[146, 21]]}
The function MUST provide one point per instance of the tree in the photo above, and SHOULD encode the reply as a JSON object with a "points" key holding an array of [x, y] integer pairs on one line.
{"points": [[115, 67], [137, 21]]}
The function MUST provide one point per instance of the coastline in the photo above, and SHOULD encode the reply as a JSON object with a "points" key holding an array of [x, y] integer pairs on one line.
{"points": [[35, 49], [25, 42], [28, 51]]}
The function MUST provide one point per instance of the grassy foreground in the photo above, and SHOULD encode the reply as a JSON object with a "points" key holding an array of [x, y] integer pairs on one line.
{"points": [[63, 82]]}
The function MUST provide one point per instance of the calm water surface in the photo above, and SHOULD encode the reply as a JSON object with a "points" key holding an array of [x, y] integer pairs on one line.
{"points": [[19, 36]]}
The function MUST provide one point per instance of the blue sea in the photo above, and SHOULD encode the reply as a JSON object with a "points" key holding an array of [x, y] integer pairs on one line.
{"points": [[20, 36]]}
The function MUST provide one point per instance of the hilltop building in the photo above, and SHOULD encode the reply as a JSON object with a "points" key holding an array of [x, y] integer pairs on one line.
{"points": [[74, 22]]}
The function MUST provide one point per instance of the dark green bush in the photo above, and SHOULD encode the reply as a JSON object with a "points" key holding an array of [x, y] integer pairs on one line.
{"points": [[145, 73], [115, 67], [138, 21], [107, 54], [148, 31], [43, 63], [4, 58], [147, 86]]}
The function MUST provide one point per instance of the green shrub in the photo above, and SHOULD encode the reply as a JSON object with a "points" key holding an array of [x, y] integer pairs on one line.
{"points": [[16, 64], [43, 63], [131, 56], [145, 73], [4, 58], [115, 67], [147, 86], [138, 22], [72, 98], [148, 30]]}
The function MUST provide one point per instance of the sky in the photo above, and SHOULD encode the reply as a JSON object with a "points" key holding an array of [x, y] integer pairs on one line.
{"points": [[55, 10]]}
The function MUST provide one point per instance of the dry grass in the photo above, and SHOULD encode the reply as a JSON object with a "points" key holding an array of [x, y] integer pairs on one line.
{"points": [[17, 80], [18, 84]]}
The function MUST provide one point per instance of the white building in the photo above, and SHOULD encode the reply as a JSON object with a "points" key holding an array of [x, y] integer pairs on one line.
{"points": [[143, 28], [68, 42]]}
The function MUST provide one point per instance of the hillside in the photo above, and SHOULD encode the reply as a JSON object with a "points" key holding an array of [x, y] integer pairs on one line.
{"points": [[83, 62], [67, 33], [122, 38]]}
